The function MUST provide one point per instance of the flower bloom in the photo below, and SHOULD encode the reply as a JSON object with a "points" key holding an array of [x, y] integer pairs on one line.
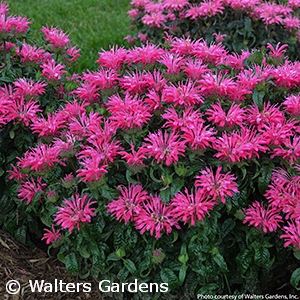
{"points": [[52, 71], [164, 147], [41, 158], [155, 217], [191, 207], [51, 236], [266, 219], [29, 188], [29, 89], [216, 186], [292, 234], [292, 104], [74, 212], [128, 204], [57, 38]]}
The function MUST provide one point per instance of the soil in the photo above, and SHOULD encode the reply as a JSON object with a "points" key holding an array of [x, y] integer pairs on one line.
{"points": [[22, 264]]}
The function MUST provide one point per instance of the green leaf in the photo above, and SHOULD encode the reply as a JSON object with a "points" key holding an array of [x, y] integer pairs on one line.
{"points": [[258, 97], [182, 273], [108, 192], [129, 179], [265, 177], [83, 251], [261, 256], [244, 260], [220, 261], [112, 257], [130, 266], [295, 279], [71, 264], [165, 195], [297, 254], [176, 186], [21, 234], [227, 226], [169, 277]]}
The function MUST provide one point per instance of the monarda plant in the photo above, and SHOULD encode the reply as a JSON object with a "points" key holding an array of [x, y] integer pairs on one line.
{"points": [[30, 86], [245, 24], [175, 165]]}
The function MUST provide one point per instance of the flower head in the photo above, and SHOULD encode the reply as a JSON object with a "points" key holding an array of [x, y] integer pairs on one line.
{"points": [[266, 219], [51, 236], [74, 212], [155, 217]]}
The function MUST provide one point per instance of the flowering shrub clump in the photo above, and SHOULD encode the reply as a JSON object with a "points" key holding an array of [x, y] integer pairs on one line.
{"points": [[175, 165], [237, 24]]}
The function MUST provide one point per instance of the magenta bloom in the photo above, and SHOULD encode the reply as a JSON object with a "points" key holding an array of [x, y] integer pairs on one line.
{"points": [[128, 204], [292, 234], [29, 188], [52, 71], [165, 147], [57, 38], [217, 186], [191, 207], [155, 217], [266, 219], [51, 236], [74, 212], [41, 158]]}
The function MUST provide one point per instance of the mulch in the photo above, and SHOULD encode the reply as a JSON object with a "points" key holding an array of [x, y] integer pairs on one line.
{"points": [[20, 263]]}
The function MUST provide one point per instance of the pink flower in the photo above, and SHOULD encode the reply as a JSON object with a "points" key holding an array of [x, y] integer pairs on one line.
{"points": [[52, 71], [287, 75], [175, 4], [41, 158], [164, 147], [155, 217], [74, 212], [278, 51], [185, 94], [266, 219], [57, 38], [216, 186], [88, 92], [289, 150], [189, 118], [237, 146], [29, 89], [30, 54], [49, 126], [103, 79], [127, 113], [154, 19], [234, 116], [28, 189], [72, 54], [198, 136], [191, 207], [219, 37], [16, 174], [292, 234], [133, 83], [51, 236], [292, 104], [173, 63], [146, 54], [135, 158], [112, 59], [195, 69], [129, 203]]}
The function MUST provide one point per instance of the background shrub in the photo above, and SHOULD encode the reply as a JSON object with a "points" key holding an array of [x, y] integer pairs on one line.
{"points": [[237, 24]]}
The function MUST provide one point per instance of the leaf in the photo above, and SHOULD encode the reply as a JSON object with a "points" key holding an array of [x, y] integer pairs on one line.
{"points": [[83, 251], [258, 97], [261, 256], [182, 273], [71, 264], [21, 234], [165, 195], [265, 177], [295, 279], [169, 277], [130, 266], [108, 192], [227, 226], [176, 186], [129, 179], [243, 260], [220, 261]]}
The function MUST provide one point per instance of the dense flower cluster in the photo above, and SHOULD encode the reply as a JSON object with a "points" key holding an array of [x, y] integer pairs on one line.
{"points": [[200, 107], [222, 19]]}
